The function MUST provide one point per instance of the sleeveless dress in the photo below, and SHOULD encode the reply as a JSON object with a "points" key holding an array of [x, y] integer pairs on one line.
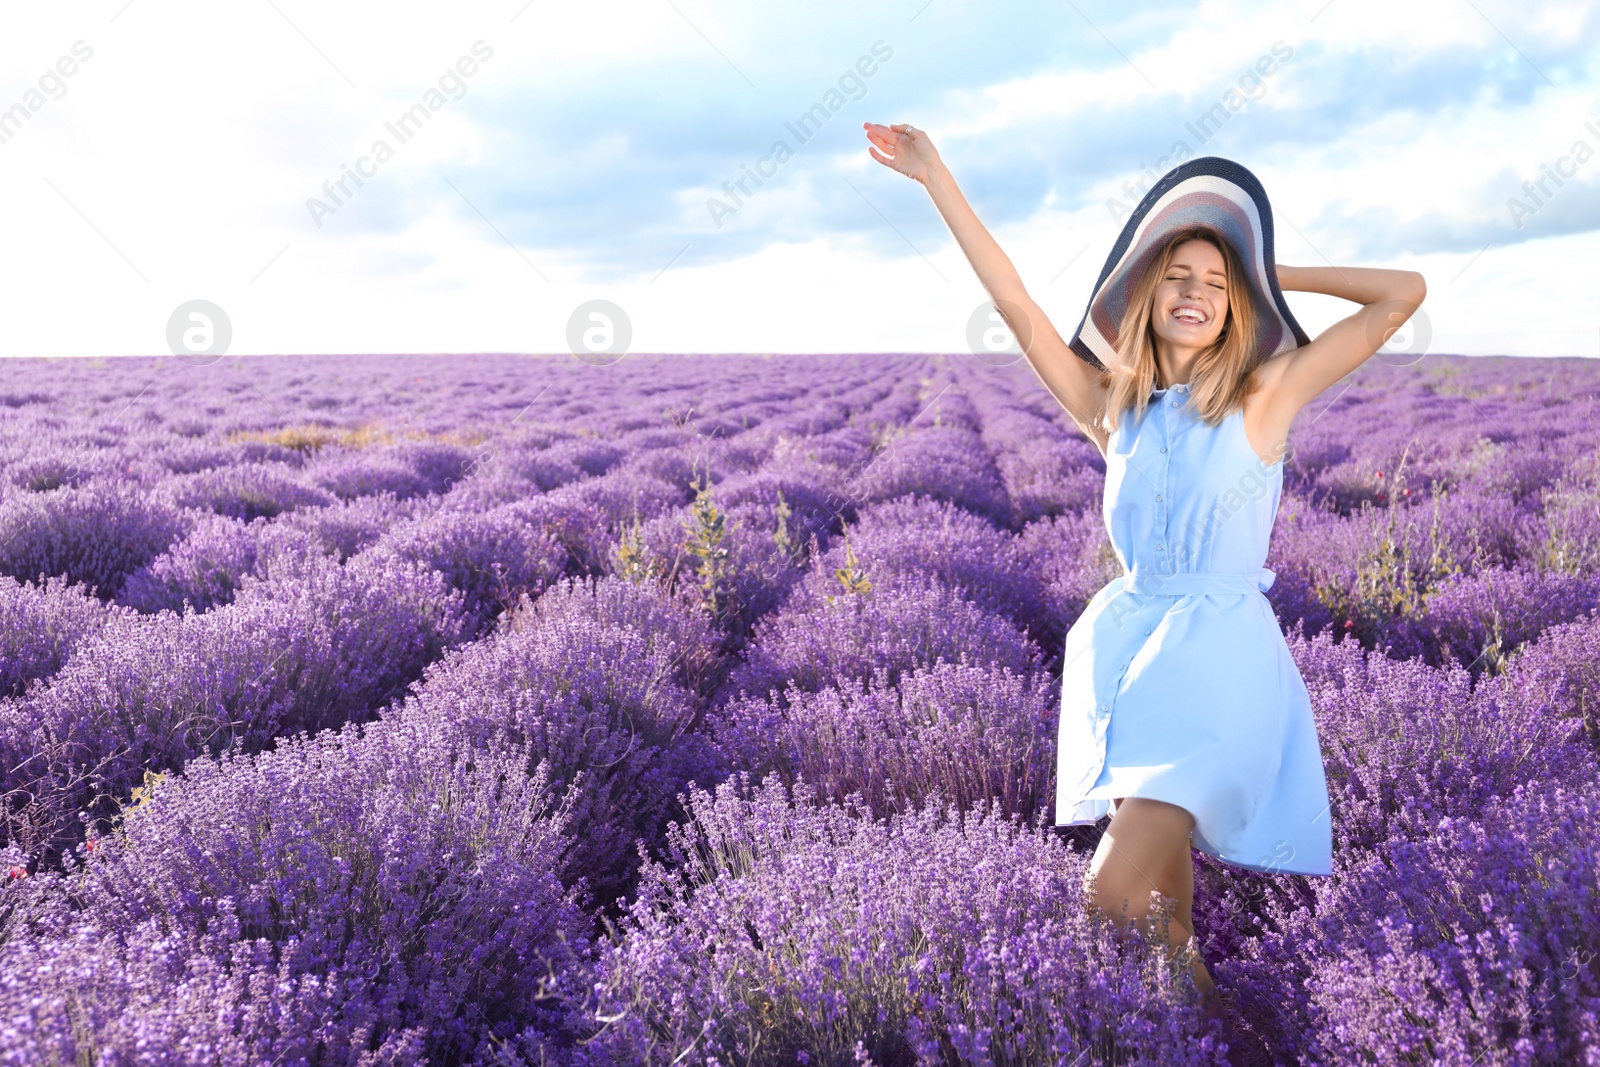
{"points": [[1177, 682]]}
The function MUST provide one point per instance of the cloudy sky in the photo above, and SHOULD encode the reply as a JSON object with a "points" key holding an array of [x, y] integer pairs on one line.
{"points": [[156, 152]]}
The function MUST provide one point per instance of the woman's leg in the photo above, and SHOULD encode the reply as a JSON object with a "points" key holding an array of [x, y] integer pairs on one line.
{"points": [[1147, 847]]}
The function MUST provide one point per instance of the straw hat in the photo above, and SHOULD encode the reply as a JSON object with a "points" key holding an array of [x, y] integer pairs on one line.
{"points": [[1210, 190]]}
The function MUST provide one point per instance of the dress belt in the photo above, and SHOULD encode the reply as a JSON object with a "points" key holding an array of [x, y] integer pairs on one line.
{"points": [[1158, 584]]}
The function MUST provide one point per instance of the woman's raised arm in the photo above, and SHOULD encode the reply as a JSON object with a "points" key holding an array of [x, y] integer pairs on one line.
{"points": [[1071, 380], [1388, 298]]}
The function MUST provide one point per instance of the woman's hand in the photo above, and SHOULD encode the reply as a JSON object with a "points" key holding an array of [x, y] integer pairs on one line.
{"points": [[909, 150]]}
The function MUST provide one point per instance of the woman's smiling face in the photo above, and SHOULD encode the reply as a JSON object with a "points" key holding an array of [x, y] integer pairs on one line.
{"points": [[1191, 300]]}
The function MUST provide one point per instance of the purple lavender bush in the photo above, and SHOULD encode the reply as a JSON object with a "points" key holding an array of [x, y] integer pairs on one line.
{"points": [[382, 898], [738, 563], [580, 527], [1046, 466], [308, 645], [799, 490], [847, 578], [623, 495], [95, 534], [598, 678], [248, 490], [207, 567], [362, 464], [915, 538], [1405, 744], [969, 733], [40, 625], [783, 931], [1471, 943], [860, 631], [941, 462], [1560, 672], [1480, 619], [347, 527], [60, 467], [492, 557], [351, 473]]}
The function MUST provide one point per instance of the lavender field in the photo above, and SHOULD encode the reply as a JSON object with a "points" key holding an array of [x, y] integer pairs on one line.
{"points": [[509, 710]]}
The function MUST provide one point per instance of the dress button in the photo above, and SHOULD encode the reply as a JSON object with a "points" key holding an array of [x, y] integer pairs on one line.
{"points": [[1158, 497], [1147, 633], [1163, 448], [1105, 707], [1174, 403], [1160, 544]]}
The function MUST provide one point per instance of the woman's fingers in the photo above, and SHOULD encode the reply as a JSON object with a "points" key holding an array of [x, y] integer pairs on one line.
{"points": [[900, 151], [888, 144], [894, 144], [889, 134]]}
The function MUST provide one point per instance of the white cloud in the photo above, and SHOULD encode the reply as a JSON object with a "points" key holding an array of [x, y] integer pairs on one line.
{"points": [[192, 139]]}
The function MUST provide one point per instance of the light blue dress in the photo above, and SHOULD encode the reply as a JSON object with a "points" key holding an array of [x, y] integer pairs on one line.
{"points": [[1177, 682]]}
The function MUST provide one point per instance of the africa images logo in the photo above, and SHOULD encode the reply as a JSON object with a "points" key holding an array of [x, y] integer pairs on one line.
{"points": [[452, 81]]}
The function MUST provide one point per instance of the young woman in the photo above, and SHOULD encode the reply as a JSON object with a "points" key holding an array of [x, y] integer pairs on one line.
{"points": [[1183, 714]]}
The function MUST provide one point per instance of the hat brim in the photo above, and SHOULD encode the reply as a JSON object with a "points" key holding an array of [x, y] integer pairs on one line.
{"points": [[1211, 190]]}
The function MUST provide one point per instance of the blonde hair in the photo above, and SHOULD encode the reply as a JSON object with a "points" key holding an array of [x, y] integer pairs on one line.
{"points": [[1223, 373]]}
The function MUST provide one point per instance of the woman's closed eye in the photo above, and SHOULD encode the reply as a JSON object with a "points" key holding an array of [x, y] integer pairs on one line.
{"points": [[1178, 277]]}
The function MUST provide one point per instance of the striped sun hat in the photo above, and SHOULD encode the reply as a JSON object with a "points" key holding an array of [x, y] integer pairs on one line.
{"points": [[1210, 190]]}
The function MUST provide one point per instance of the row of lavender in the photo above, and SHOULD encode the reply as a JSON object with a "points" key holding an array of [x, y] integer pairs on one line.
{"points": [[428, 883]]}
